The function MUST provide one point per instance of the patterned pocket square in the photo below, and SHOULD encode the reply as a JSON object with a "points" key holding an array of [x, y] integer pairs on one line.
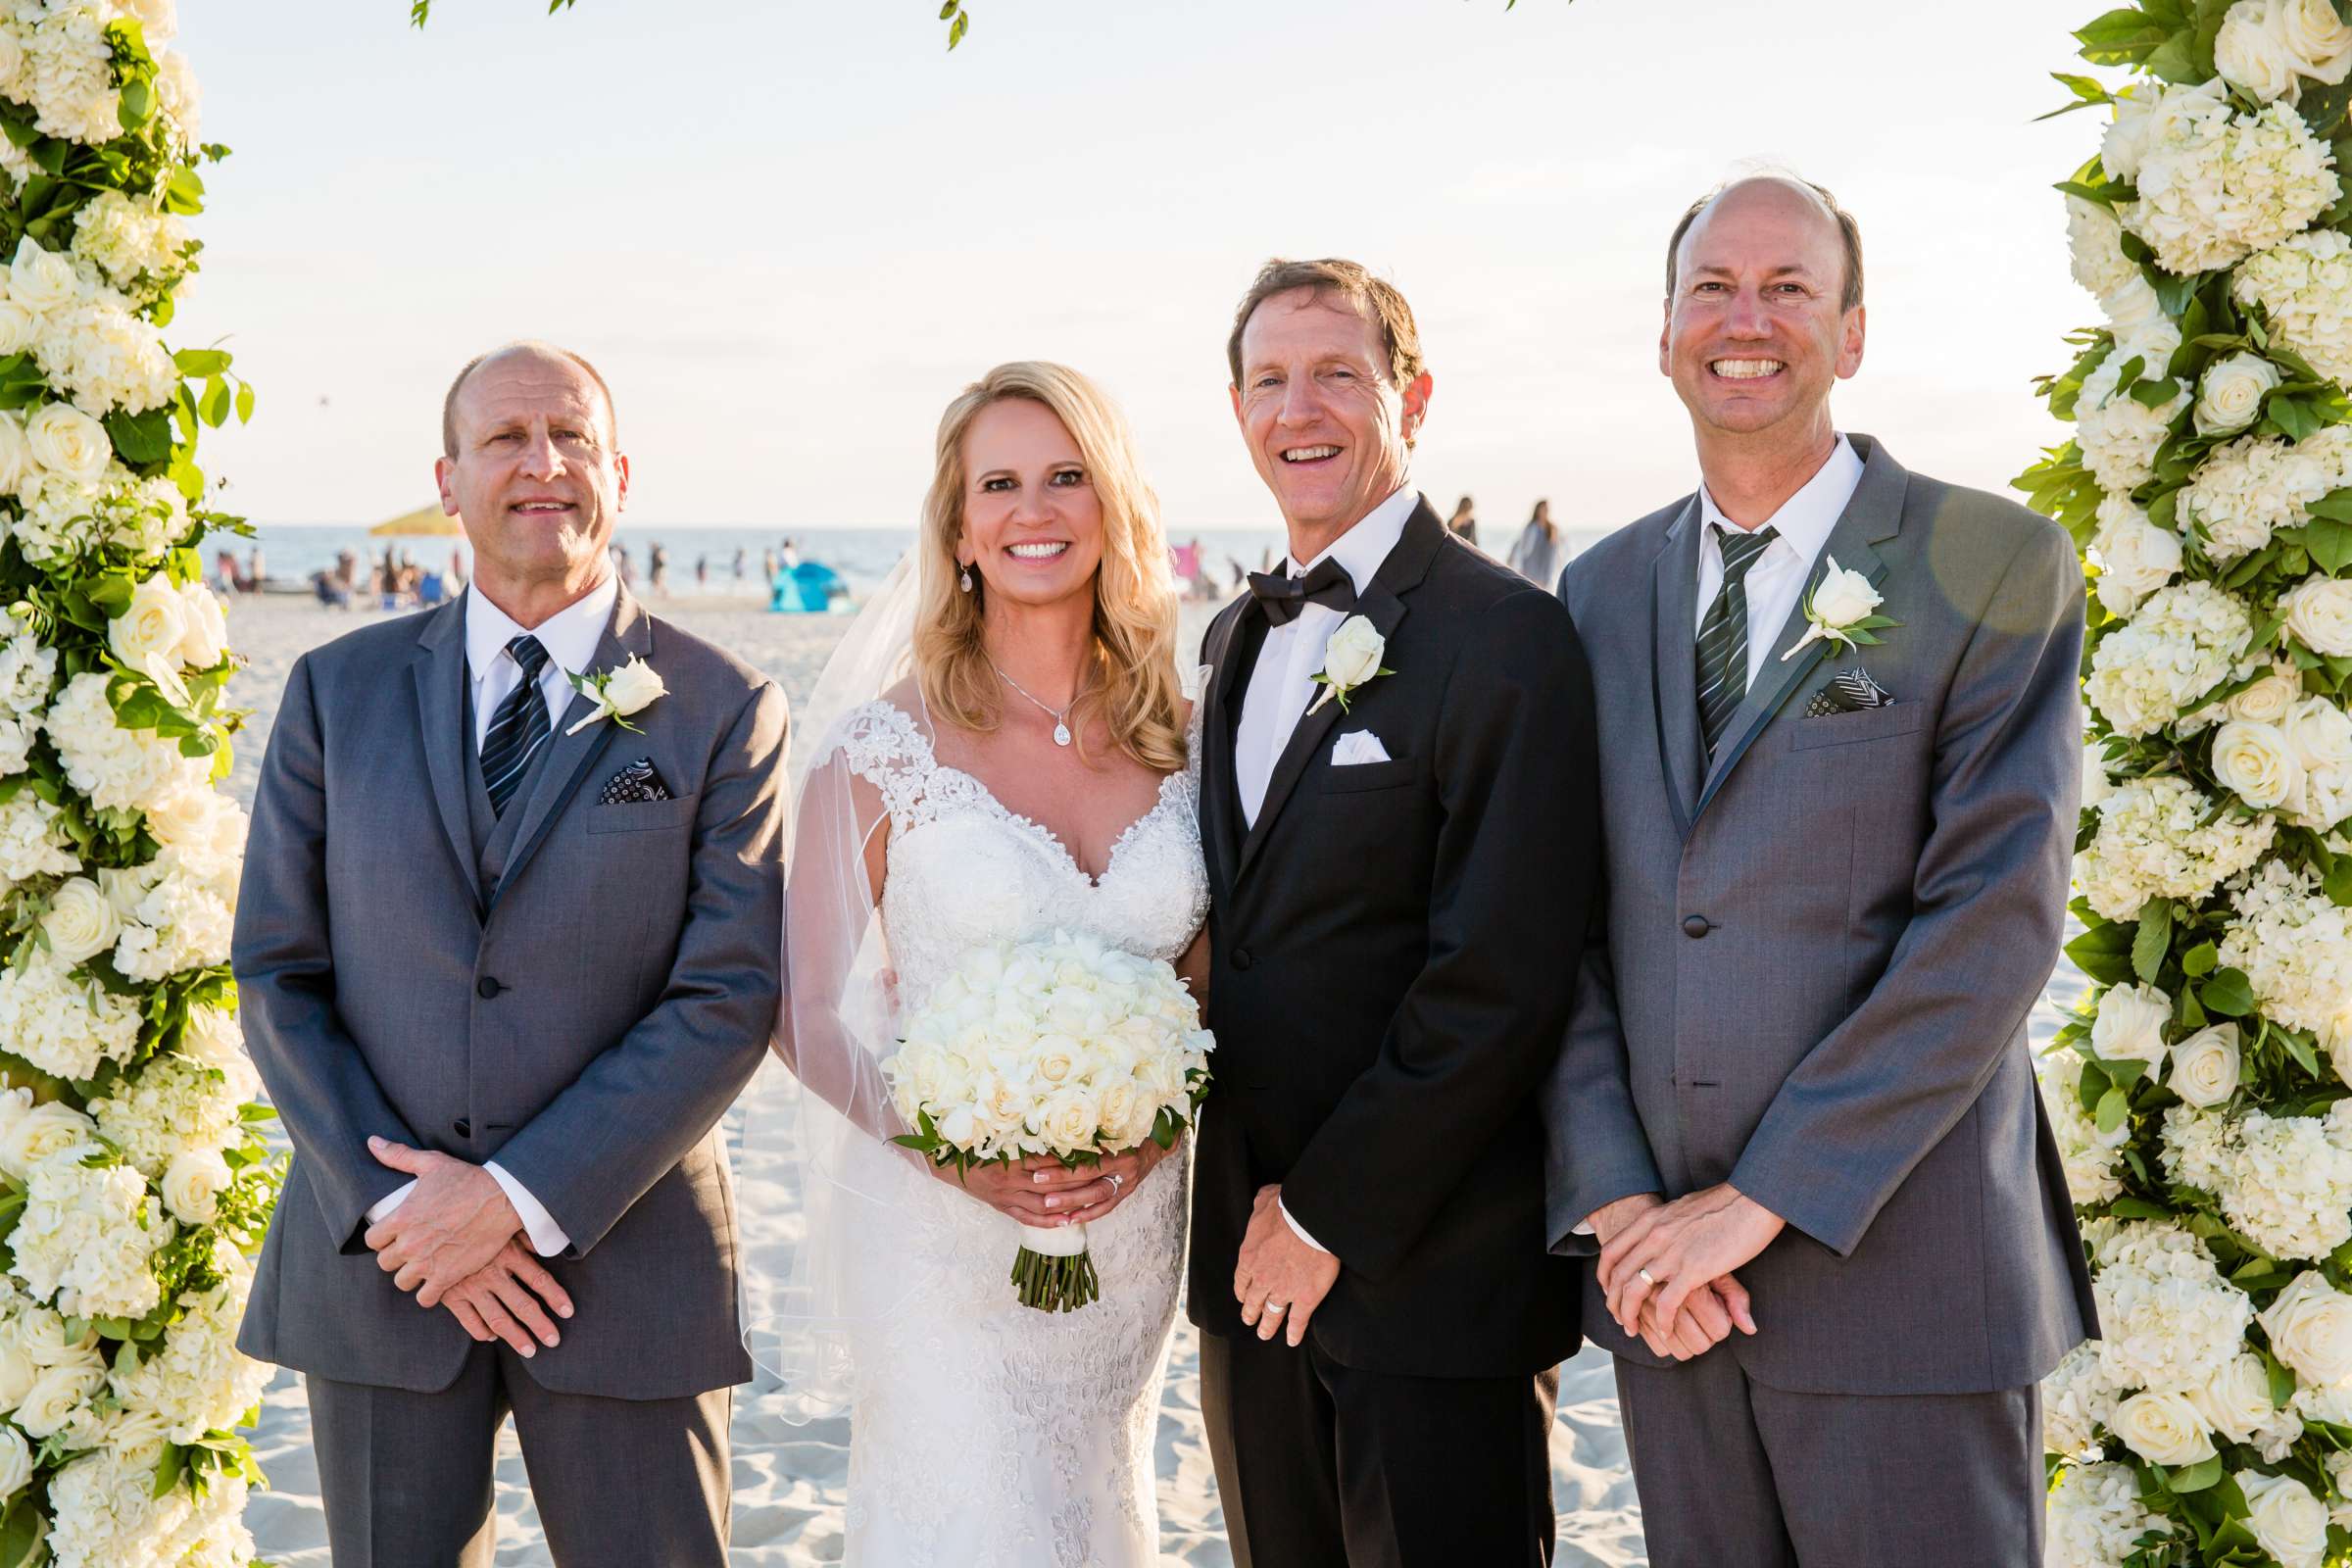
{"points": [[1849, 691], [634, 783]]}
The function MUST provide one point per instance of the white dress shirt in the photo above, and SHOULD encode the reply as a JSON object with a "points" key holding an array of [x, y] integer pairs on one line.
{"points": [[1282, 682], [571, 637], [1777, 578]]}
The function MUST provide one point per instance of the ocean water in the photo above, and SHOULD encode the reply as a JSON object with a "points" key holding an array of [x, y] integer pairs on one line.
{"points": [[864, 556]]}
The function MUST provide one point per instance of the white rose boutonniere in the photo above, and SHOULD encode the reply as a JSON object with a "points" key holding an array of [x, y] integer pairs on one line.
{"points": [[618, 693], [1350, 660], [1840, 608]]}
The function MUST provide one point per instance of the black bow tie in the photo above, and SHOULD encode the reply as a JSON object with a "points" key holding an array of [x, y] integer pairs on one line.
{"points": [[1280, 597]]}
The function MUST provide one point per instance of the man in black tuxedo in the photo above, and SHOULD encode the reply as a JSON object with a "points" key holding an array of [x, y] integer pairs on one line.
{"points": [[1399, 812]]}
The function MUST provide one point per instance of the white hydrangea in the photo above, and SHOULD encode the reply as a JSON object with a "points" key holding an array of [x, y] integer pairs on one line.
{"points": [[2185, 640], [32, 844], [2135, 557], [2283, 1182], [88, 1235], [2150, 844], [2304, 287], [175, 1105], [67, 74], [106, 358], [2096, 1519], [2248, 490], [2171, 1321], [2095, 247], [61, 1023], [28, 674], [110, 764], [133, 242], [198, 1383], [2295, 945], [2093, 1158], [2118, 435], [2213, 187], [63, 518], [179, 99], [104, 1514], [2078, 1399], [183, 918]]}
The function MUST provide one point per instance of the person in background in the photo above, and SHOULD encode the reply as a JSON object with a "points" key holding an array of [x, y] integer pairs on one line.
{"points": [[1536, 555], [457, 568], [702, 571], [626, 567], [656, 569], [1186, 560], [739, 563], [225, 574], [767, 567], [256, 575], [1463, 522], [792, 555]]}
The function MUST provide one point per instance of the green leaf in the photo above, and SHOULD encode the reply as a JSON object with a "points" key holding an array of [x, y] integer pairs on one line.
{"points": [[213, 407], [201, 362], [2329, 544], [141, 438], [2154, 939], [2323, 107], [2114, 1107], [2228, 994], [170, 1466], [2300, 1049], [2200, 960], [2338, 882], [2104, 952], [2196, 1477], [244, 402]]}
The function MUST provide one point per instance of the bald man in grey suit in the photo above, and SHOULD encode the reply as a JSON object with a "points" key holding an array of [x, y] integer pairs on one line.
{"points": [[503, 965], [1838, 874]]}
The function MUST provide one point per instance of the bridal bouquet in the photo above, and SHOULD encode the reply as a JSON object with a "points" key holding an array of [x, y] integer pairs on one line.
{"points": [[1059, 1047]]}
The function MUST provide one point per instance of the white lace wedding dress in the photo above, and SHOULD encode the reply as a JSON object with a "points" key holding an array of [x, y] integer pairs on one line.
{"points": [[986, 1433]]}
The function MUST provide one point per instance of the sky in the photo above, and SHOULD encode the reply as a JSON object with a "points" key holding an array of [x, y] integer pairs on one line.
{"points": [[790, 231]]}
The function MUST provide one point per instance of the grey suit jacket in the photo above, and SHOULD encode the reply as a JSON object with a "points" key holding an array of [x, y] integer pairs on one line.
{"points": [[585, 1022], [1819, 953]]}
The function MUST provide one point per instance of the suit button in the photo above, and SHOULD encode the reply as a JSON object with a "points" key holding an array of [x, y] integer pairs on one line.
{"points": [[1240, 957], [487, 988], [462, 1128], [1695, 925]]}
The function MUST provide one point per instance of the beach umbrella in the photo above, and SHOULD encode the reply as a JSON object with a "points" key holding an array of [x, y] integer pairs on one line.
{"points": [[424, 521]]}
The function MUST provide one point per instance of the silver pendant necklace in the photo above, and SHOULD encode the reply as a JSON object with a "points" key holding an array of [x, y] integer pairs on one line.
{"points": [[1060, 716]]}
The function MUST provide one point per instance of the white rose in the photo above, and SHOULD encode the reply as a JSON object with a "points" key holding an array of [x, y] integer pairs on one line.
{"points": [[194, 1182], [2256, 761], [81, 922], [2318, 613], [2205, 1065], [2287, 1521], [65, 440], [41, 280], [633, 686], [16, 1461], [2236, 1400], [2231, 393], [1843, 596], [39, 1133], [2097, 785], [55, 1395], [155, 621], [2135, 557], [2315, 37], [17, 327], [17, 1370], [206, 639], [2310, 1326], [2269, 700], [2131, 1025], [1353, 654], [15, 458], [2250, 54], [2163, 1429], [1070, 1121], [2320, 734]]}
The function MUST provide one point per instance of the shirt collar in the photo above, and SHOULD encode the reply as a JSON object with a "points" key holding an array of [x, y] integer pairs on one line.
{"points": [[570, 635], [1807, 518], [1361, 549]]}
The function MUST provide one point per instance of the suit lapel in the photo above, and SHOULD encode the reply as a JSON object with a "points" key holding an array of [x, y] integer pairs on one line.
{"points": [[1672, 664], [630, 632], [1874, 515], [439, 668], [1234, 641], [1382, 605]]}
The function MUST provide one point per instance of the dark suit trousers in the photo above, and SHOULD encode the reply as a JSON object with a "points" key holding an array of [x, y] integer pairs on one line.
{"points": [[1731, 1471], [1321, 1465], [407, 1478]]}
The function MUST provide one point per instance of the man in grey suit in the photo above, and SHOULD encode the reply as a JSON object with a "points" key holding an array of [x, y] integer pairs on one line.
{"points": [[1836, 878], [504, 963]]}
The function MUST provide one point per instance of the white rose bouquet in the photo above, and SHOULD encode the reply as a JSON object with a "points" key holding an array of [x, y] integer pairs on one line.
{"points": [[1061, 1046]]}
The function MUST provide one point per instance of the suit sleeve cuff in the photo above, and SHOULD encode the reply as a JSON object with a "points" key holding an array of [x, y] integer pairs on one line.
{"points": [[391, 1200], [547, 1238], [1300, 1230]]}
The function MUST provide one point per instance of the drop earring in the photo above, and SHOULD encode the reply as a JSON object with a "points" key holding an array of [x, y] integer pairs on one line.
{"points": [[964, 579]]}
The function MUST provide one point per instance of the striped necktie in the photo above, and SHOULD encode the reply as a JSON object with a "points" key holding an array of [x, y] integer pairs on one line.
{"points": [[518, 727], [1723, 635]]}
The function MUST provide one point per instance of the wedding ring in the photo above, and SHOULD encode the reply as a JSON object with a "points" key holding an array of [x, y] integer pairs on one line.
{"points": [[1117, 1182], [1277, 1308], [1644, 1276]]}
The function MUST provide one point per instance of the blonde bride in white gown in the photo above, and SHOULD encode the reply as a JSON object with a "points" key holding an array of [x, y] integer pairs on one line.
{"points": [[1004, 754]]}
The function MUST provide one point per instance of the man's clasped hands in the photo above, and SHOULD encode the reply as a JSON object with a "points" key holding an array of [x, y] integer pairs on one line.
{"points": [[455, 1242]]}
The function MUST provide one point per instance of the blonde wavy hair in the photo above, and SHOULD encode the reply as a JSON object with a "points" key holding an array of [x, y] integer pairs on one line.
{"points": [[1130, 681]]}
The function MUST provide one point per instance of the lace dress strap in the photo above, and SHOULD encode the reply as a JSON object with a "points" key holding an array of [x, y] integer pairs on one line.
{"points": [[883, 745]]}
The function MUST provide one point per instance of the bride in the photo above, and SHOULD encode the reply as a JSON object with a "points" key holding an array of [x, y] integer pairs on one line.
{"points": [[1003, 755]]}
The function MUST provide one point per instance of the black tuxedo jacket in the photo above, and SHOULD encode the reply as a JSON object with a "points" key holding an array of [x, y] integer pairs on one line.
{"points": [[1393, 966]]}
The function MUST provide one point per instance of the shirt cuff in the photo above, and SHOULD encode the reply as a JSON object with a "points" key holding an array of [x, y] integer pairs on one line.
{"points": [[1300, 1230], [1584, 1228], [547, 1238], [390, 1201]]}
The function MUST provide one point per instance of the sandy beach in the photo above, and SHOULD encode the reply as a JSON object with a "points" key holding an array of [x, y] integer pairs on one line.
{"points": [[789, 1481]]}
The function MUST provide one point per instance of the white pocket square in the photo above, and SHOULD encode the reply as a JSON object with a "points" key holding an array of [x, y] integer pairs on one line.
{"points": [[1358, 745]]}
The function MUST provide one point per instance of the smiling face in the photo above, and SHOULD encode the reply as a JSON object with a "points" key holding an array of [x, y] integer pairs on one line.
{"points": [[534, 476], [1327, 424], [1032, 520], [1756, 333]]}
